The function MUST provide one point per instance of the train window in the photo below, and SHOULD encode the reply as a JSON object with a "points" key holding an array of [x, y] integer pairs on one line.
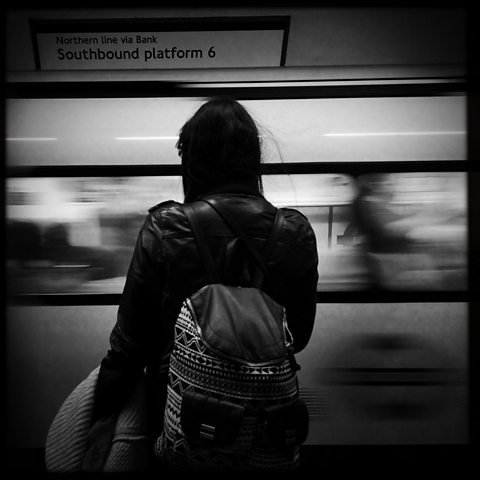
{"points": [[139, 131], [398, 231]]}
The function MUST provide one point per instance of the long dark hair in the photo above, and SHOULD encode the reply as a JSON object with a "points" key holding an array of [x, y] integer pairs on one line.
{"points": [[219, 143]]}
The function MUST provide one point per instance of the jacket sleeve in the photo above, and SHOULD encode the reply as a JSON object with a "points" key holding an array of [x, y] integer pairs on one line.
{"points": [[300, 299], [138, 311]]}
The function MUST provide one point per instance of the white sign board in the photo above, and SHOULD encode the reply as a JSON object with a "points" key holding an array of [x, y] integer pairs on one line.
{"points": [[231, 45]]}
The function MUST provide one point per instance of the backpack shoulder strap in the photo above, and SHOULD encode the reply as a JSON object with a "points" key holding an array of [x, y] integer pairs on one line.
{"points": [[199, 235], [277, 225], [260, 258]]}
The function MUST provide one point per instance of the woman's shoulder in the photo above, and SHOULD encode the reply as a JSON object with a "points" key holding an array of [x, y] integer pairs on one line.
{"points": [[297, 224], [164, 206], [293, 215], [166, 214]]}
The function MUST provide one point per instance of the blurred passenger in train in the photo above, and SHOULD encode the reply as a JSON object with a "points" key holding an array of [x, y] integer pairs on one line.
{"points": [[23, 253], [220, 153], [419, 243], [24, 241], [43, 259], [99, 262]]}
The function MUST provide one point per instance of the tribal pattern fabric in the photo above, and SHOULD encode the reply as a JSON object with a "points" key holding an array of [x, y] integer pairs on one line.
{"points": [[194, 367]]}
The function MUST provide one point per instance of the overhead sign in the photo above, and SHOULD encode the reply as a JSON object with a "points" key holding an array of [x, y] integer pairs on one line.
{"points": [[158, 44]]}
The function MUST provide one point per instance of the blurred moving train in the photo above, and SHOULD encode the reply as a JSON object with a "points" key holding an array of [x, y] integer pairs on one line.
{"points": [[383, 181], [409, 227]]}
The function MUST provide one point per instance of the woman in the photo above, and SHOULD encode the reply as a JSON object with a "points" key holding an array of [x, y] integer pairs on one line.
{"points": [[221, 158]]}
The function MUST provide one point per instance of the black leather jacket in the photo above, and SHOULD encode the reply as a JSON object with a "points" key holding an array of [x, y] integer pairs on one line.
{"points": [[166, 268]]}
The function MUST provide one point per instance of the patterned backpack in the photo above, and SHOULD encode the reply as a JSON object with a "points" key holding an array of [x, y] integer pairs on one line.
{"points": [[232, 395]]}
